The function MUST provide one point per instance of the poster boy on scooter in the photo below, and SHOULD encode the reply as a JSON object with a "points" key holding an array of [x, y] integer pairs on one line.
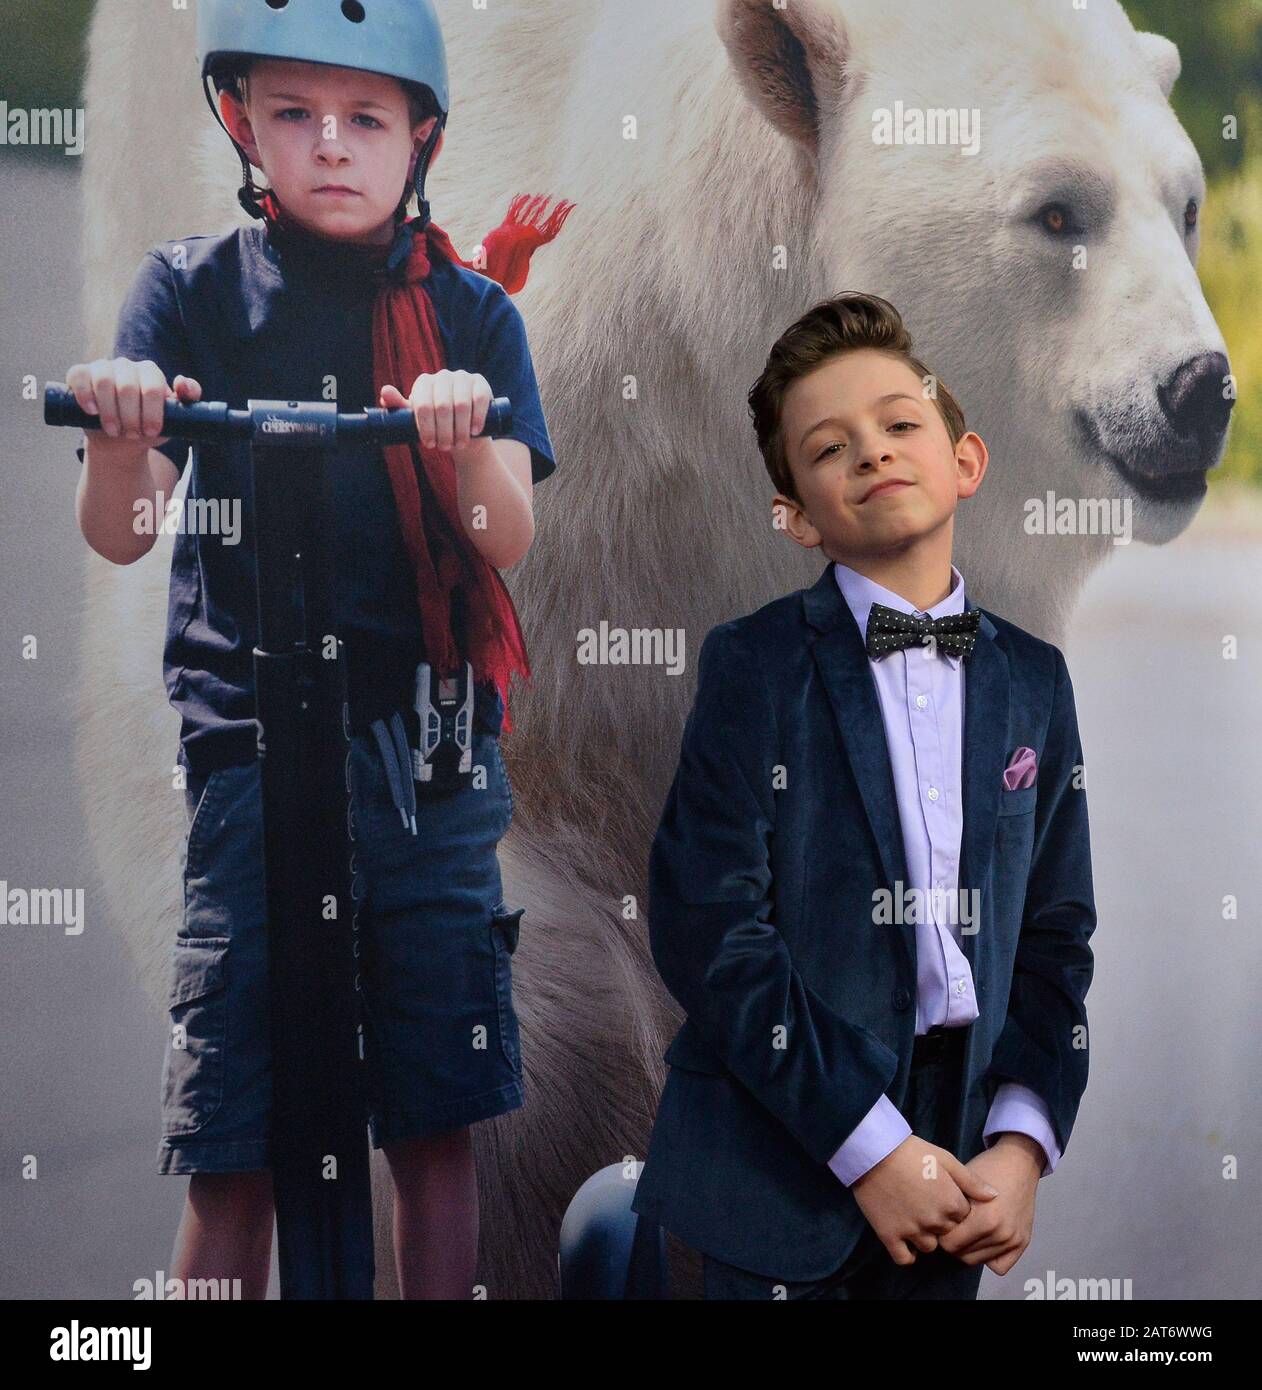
{"points": [[337, 296]]}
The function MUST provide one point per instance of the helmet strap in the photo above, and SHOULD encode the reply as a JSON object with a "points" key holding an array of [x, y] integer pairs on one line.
{"points": [[422, 168], [249, 195]]}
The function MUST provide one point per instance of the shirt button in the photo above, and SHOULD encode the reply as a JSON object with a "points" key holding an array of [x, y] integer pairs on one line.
{"points": [[933, 793], [959, 986], [921, 702]]}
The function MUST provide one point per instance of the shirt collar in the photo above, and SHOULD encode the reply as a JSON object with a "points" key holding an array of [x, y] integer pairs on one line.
{"points": [[861, 593]]}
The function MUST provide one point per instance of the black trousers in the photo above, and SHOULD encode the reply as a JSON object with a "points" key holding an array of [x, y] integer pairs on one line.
{"points": [[932, 1104]]}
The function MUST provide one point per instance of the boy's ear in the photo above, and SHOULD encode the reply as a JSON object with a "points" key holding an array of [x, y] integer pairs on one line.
{"points": [[971, 458], [237, 120], [422, 133], [788, 516]]}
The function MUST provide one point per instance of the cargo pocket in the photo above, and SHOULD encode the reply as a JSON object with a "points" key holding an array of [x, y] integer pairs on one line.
{"points": [[505, 925], [193, 1069]]}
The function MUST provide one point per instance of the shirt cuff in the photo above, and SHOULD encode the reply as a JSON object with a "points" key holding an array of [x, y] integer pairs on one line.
{"points": [[877, 1135], [1016, 1107]]}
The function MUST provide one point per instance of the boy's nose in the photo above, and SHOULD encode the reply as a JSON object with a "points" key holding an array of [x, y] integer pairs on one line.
{"points": [[871, 459], [328, 136]]}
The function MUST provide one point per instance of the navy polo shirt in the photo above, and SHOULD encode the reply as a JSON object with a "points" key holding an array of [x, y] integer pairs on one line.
{"points": [[250, 318]]}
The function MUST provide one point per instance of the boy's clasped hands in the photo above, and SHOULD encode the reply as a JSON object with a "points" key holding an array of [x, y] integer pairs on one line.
{"points": [[922, 1196]]}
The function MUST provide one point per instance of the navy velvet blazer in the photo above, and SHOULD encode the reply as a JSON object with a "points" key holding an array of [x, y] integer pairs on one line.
{"points": [[780, 826]]}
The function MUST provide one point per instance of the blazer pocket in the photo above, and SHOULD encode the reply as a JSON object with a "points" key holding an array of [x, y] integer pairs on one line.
{"points": [[1018, 802]]}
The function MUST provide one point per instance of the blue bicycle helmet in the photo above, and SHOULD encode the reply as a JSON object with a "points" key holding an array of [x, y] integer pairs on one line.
{"points": [[399, 38]]}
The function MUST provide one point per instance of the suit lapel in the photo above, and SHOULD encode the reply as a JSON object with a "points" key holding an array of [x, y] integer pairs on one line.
{"points": [[842, 662], [843, 665]]}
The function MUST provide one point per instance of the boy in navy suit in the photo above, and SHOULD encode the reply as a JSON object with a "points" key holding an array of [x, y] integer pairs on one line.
{"points": [[871, 886]]}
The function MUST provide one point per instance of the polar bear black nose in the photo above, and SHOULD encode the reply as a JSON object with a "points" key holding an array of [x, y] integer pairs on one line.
{"points": [[1196, 401]]}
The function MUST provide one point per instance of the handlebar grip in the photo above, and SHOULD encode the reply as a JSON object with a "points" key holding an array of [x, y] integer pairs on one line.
{"points": [[197, 420], [499, 417], [399, 426], [61, 408]]}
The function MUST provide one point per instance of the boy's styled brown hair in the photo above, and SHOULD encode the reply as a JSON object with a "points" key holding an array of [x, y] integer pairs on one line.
{"points": [[834, 326]]}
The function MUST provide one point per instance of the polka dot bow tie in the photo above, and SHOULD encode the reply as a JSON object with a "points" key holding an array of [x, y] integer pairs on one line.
{"points": [[890, 631]]}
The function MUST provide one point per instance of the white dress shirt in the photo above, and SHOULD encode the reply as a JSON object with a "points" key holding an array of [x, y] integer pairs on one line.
{"points": [[921, 695]]}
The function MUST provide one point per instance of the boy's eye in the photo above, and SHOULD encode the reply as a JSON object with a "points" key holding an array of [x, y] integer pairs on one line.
{"points": [[897, 425], [300, 111]]}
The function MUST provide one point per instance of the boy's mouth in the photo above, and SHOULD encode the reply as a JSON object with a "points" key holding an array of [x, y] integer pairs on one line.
{"points": [[337, 189], [889, 485]]}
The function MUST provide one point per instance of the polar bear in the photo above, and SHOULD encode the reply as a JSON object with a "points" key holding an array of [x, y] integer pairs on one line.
{"points": [[724, 162]]}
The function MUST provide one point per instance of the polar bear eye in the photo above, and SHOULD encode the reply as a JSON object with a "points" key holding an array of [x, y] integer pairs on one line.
{"points": [[1191, 214], [1053, 218]]}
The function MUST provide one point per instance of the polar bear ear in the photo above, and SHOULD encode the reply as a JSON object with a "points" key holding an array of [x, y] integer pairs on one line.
{"points": [[786, 60], [1162, 57]]}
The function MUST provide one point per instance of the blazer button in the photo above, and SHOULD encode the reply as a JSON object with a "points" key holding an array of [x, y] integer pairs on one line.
{"points": [[901, 998]]}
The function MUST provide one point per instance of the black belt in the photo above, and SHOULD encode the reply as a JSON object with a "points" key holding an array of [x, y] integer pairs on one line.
{"points": [[230, 747], [236, 745], [938, 1044]]}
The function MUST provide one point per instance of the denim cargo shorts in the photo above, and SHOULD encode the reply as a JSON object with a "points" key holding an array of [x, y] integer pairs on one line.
{"points": [[441, 1041]]}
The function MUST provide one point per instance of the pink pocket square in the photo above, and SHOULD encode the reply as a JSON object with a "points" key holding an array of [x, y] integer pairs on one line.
{"points": [[1022, 770]]}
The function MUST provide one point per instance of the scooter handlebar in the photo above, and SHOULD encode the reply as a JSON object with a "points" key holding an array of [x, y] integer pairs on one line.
{"points": [[215, 420]]}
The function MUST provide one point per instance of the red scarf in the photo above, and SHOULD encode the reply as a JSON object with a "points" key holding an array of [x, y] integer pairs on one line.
{"points": [[456, 587]]}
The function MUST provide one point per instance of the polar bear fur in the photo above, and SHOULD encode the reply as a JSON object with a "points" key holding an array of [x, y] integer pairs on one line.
{"points": [[649, 318]]}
